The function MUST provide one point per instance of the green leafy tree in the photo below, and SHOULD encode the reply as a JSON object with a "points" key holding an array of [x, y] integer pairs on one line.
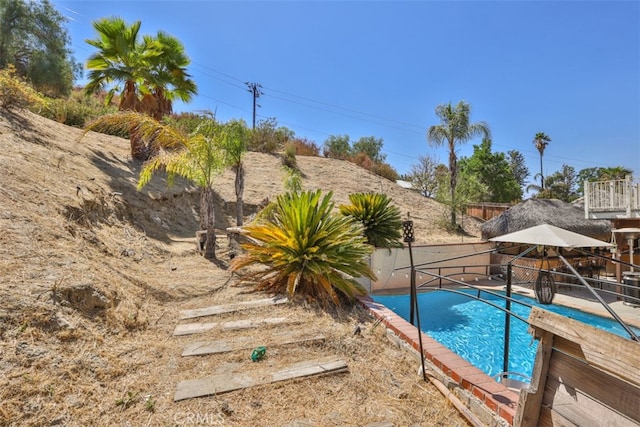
{"points": [[371, 146], [561, 185], [494, 172], [381, 220], [337, 147], [233, 138], [455, 129], [601, 174], [34, 39], [518, 167], [541, 140], [423, 176], [146, 72], [196, 157], [307, 250], [468, 190]]}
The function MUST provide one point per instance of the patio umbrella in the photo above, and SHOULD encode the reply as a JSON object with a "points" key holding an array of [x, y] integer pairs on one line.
{"points": [[550, 235]]}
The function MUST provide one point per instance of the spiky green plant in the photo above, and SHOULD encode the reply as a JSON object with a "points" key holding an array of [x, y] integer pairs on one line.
{"points": [[381, 220], [306, 249]]}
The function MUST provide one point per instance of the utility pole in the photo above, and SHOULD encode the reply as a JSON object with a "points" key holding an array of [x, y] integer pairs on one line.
{"points": [[255, 89]]}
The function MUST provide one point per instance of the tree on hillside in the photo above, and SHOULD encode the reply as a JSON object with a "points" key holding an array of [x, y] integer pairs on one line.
{"points": [[371, 146], [233, 138], [337, 147], [468, 190], [33, 39], [146, 72], [197, 157], [541, 141], [494, 172], [423, 176], [455, 129]]}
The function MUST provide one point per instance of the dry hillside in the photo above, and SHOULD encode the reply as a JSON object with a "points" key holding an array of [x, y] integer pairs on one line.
{"points": [[93, 274]]}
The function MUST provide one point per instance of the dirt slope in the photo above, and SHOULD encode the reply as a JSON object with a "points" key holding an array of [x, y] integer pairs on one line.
{"points": [[93, 274]]}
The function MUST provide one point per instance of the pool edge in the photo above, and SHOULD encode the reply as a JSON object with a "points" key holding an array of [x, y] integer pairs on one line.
{"points": [[497, 398]]}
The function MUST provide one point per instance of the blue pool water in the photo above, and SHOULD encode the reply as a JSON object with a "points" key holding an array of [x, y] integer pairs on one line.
{"points": [[475, 330]]}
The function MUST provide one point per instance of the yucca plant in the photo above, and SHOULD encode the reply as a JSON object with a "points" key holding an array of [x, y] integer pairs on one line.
{"points": [[381, 220], [306, 249]]}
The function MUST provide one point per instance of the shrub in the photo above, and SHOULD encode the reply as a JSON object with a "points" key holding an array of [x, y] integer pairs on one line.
{"points": [[267, 137], [305, 147], [381, 220], [385, 170], [289, 157], [362, 160], [15, 93], [307, 249]]}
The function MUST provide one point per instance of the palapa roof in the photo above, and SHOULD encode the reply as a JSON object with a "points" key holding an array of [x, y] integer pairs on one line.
{"points": [[534, 212]]}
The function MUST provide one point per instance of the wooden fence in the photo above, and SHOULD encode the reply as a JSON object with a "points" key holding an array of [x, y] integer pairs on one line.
{"points": [[582, 376]]}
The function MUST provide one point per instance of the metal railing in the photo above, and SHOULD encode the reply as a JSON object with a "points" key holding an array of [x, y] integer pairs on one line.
{"points": [[615, 195]]}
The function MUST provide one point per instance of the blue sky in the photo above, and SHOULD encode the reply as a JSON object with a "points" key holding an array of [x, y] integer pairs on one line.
{"points": [[570, 69]]}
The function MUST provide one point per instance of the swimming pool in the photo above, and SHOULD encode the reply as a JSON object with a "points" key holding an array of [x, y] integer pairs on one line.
{"points": [[475, 330]]}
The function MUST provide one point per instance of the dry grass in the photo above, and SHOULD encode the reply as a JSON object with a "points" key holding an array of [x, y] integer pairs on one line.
{"points": [[94, 274]]}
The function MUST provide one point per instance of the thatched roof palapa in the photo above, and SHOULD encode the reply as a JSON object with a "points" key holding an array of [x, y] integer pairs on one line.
{"points": [[534, 212]]}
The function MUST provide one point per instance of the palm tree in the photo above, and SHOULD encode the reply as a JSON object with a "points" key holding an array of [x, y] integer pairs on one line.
{"points": [[307, 249], [455, 129], [196, 157], [541, 141], [234, 138], [152, 71], [167, 77], [381, 220]]}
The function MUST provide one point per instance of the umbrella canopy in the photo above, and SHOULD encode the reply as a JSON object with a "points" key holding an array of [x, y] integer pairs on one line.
{"points": [[545, 211], [549, 235]]}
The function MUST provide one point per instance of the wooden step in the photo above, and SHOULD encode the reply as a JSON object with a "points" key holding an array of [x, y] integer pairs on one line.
{"points": [[223, 383], [196, 328], [230, 308], [242, 343]]}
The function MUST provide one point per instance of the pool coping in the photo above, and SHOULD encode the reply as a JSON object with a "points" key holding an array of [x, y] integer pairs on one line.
{"points": [[495, 396]]}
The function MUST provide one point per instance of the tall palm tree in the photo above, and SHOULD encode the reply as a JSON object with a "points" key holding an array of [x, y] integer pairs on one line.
{"points": [[196, 157], [541, 141], [167, 78], [146, 72], [455, 129]]}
